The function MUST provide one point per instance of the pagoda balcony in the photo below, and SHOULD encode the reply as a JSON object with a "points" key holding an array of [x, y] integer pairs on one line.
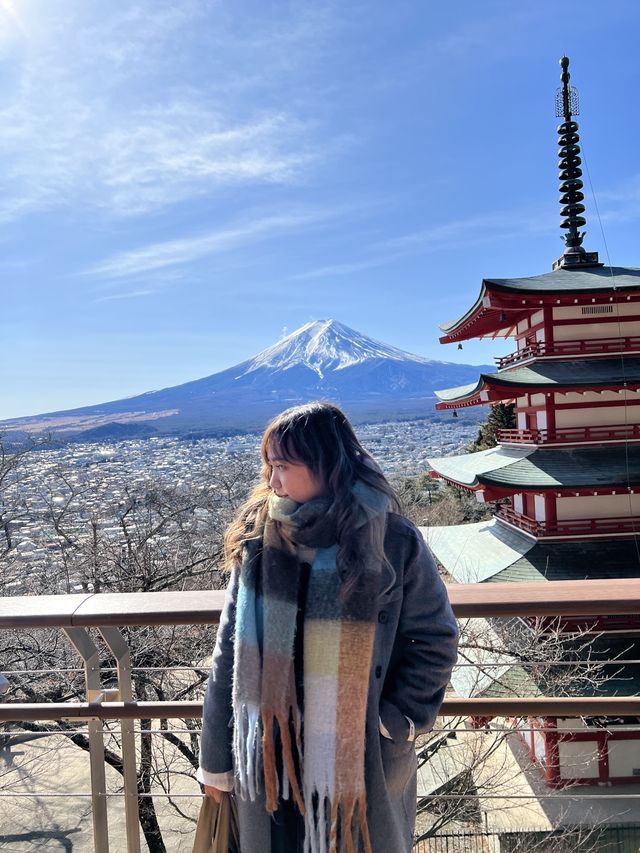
{"points": [[595, 346], [603, 434], [569, 528]]}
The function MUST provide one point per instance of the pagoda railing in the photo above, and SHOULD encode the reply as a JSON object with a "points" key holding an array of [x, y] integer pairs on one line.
{"points": [[593, 346], [571, 435], [584, 527]]}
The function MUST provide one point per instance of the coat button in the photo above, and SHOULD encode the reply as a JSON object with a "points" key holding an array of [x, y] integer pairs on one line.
{"points": [[383, 616], [378, 671]]}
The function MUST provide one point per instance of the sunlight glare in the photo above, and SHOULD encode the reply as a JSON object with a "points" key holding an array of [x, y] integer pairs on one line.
{"points": [[11, 12]]}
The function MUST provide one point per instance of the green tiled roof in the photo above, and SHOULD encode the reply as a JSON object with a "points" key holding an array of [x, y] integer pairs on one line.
{"points": [[614, 679], [588, 679], [473, 553], [466, 468], [559, 281], [590, 371], [543, 468], [596, 372], [461, 391], [583, 467], [571, 561], [562, 280], [495, 553]]}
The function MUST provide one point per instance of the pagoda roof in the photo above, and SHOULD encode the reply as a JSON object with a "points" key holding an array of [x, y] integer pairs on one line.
{"points": [[574, 280], [596, 374], [607, 679], [474, 553], [561, 286], [466, 468], [491, 552], [543, 468]]}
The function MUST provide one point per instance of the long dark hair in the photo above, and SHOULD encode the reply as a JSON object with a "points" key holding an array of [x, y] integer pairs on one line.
{"points": [[319, 435]]}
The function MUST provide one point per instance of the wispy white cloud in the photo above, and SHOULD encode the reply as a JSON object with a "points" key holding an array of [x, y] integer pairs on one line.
{"points": [[469, 231], [104, 111], [171, 253], [348, 268], [620, 204], [133, 294]]}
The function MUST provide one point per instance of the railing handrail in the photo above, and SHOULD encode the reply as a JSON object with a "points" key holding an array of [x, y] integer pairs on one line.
{"points": [[86, 610], [538, 706], [599, 432], [198, 607], [569, 526], [592, 346]]}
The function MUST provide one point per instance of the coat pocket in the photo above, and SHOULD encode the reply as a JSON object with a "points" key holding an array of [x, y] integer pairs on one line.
{"points": [[398, 764]]}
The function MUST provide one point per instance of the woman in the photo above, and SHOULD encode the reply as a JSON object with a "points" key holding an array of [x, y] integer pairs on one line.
{"points": [[333, 652]]}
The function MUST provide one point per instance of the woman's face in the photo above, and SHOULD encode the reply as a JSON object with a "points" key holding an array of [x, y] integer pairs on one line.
{"points": [[294, 480]]}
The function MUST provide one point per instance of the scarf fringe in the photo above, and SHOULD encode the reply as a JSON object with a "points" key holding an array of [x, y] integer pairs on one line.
{"points": [[246, 737], [271, 785], [322, 822]]}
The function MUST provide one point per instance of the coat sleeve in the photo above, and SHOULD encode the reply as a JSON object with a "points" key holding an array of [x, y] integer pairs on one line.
{"points": [[217, 714], [424, 649]]}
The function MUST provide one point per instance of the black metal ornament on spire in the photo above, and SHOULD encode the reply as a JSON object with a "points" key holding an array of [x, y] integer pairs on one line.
{"points": [[571, 195]]}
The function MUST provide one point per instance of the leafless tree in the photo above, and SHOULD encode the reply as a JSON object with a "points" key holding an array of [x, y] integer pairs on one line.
{"points": [[103, 534]]}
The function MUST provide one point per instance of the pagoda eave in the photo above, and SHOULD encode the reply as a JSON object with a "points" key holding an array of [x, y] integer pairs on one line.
{"points": [[489, 551], [544, 377], [500, 306], [498, 393], [513, 470]]}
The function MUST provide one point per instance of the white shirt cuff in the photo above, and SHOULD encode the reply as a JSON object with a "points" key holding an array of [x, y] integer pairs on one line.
{"points": [[221, 781], [384, 731]]}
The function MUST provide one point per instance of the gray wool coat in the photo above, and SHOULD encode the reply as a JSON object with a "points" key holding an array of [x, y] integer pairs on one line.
{"points": [[414, 653]]}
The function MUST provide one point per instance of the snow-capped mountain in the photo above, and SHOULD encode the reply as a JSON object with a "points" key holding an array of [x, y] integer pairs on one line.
{"points": [[323, 359], [326, 345]]}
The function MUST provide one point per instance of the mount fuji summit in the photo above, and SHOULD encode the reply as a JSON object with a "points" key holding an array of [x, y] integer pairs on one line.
{"points": [[324, 359]]}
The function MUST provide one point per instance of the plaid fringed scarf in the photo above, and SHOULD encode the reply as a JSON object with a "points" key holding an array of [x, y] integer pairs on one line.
{"points": [[326, 777]]}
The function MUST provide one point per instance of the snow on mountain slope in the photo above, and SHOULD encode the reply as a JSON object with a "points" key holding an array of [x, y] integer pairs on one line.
{"points": [[325, 345]]}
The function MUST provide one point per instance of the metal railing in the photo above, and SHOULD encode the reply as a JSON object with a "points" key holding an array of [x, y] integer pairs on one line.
{"points": [[571, 435], [581, 527], [594, 346], [74, 614]]}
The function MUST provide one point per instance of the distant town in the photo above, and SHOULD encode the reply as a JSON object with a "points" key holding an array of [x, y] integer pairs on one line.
{"points": [[87, 482]]}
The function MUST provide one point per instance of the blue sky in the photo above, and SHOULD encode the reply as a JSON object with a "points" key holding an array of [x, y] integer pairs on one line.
{"points": [[180, 183]]}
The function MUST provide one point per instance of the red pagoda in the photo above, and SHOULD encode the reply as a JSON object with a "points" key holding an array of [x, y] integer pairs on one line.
{"points": [[567, 477]]}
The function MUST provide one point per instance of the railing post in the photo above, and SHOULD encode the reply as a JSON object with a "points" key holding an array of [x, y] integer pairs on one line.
{"points": [[91, 658], [118, 646]]}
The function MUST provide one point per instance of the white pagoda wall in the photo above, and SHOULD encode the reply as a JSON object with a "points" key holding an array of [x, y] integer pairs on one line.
{"points": [[579, 759], [624, 757], [587, 317], [583, 312], [592, 397], [593, 331], [598, 506], [602, 416], [583, 416]]}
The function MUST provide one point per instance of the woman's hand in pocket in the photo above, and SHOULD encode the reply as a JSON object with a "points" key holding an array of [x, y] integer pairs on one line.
{"points": [[215, 793]]}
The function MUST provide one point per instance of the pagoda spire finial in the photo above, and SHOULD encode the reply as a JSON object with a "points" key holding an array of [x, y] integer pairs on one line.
{"points": [[571, 195]]}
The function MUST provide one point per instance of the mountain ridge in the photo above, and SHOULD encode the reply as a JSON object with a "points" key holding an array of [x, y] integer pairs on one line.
{"points": [[321, 359]]}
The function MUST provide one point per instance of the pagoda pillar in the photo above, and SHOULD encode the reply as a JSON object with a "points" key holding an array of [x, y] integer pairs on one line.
{"points": [[550, 409]]}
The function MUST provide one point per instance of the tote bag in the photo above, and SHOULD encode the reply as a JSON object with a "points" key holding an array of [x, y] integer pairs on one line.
{"points": [[217, 828]]}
